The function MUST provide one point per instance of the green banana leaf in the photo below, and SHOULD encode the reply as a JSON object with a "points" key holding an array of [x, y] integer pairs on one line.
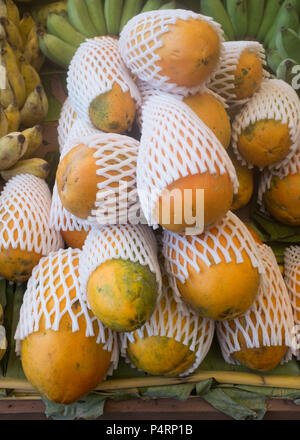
{"points": [[238, 404], [180, 392], [89, 408], [14, 366]]}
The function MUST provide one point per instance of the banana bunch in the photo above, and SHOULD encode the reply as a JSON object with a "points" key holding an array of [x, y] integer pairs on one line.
{"points": [[274, 23], [70, 24], [23, 102]]}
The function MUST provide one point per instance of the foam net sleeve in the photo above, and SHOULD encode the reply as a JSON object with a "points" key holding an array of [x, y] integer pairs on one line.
{"points": [[95, 67], [146, 91], [292, 280], [66, 121], [183, 325], [270, 316], [140, 39], [175, 143], [275, 100], [117, 197], [24, 214], [222, 81], [59, 272], [181, 252], [136, 243], [291, 168]]}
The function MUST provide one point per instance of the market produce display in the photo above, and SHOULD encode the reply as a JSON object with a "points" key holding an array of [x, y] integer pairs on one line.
{"points": [[173, 119]]}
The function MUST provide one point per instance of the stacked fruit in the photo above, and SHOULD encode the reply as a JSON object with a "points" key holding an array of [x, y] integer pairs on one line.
{"points": [[274, 23], [23, 101], [67, 29], [212, 270]]}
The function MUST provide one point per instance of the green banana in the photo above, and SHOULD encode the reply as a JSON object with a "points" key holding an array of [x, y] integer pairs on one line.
{"points": [[238, 12], [57, 50], [274, 59], [37, 167], [113, 12], [288, 44], [12, 148], [96, 12], [285, 70], [255, 16], [270, 13], [41, 13], [151, 5], [287, 16], [61, 28], [216, 10], [35, 108], [296, 4], [80, 19], [169, 5], [130, 9]]}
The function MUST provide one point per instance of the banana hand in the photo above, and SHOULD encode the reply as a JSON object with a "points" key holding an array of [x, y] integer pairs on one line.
{"points": [[12, 148], [37, 167]]}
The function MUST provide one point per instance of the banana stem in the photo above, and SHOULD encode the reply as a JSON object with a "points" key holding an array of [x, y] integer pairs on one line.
{"points": [[222, 377]]}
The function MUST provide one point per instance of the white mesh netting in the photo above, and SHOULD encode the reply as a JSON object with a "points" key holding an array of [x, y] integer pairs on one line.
{"points": [[66, 121], [52, 292], [140, 39], [183, 325], [146, 91], [175, 143], [24, 216], [291, 168], [222, 81], [117, 198], [268, 322], [230, 237], [95, 67], [292, 281], [126, 242], [275, 100]]}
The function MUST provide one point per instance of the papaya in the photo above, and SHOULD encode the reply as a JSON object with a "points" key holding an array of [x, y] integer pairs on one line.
{"points": [[219, 291], [74, 239], [23, 204], [122, 294], [213, 114], [265, 142], [248, 75], [218, 198], [267, 322], [246, 185], [282, 199], [78, 175], [189, 52], [168, 352], [61, 364], [113, 111], [77, 181]]}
